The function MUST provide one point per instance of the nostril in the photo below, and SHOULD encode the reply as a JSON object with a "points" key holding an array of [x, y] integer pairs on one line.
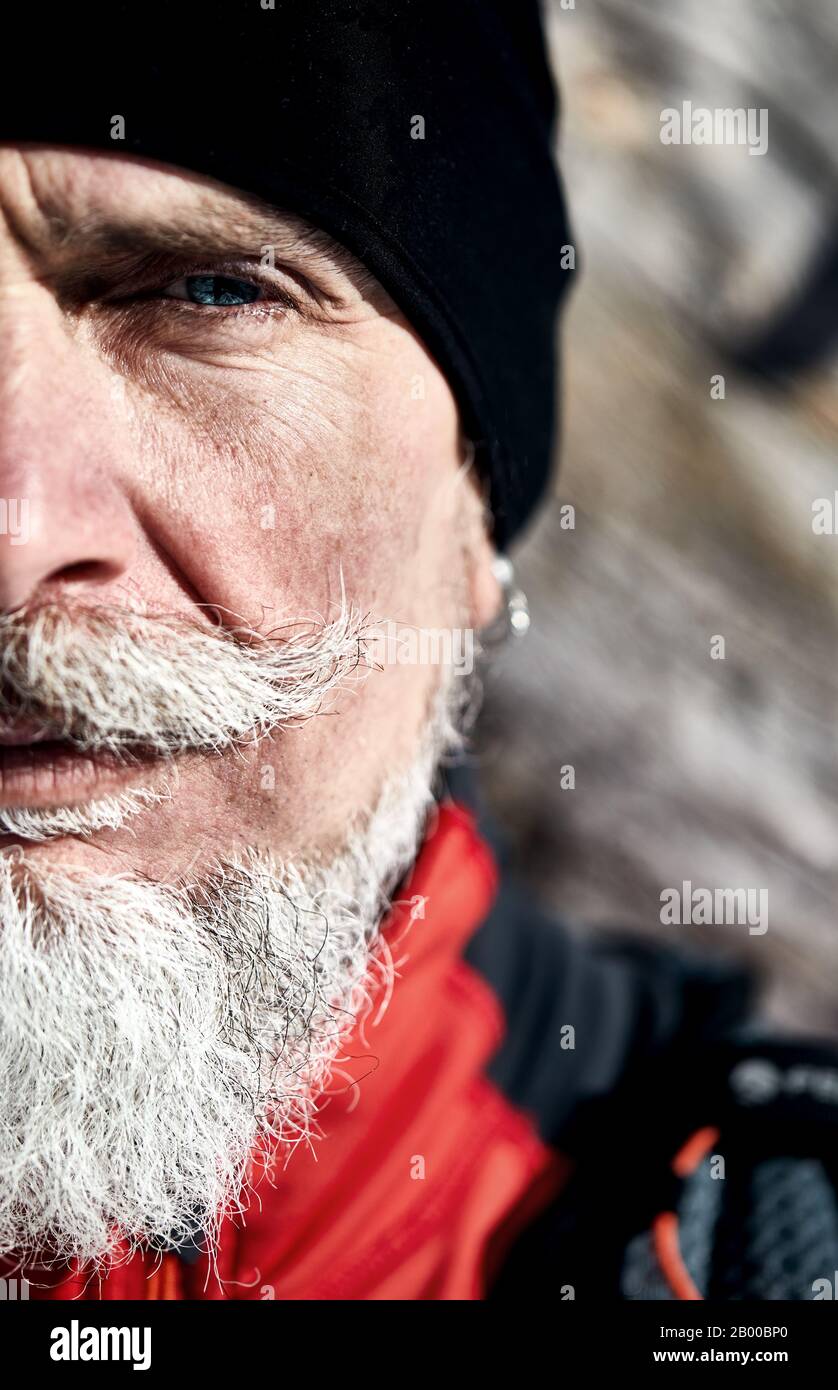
{"points": [[83, 571]]}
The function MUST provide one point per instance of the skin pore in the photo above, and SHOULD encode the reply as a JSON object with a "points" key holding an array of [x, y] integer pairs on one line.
{"points": [[233, 461]]}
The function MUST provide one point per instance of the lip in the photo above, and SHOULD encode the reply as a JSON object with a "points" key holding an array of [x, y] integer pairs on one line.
{"points": [[39, 772]]}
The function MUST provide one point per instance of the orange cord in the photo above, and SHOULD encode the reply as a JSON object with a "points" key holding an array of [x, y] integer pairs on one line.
{"points": [[665, 1225], [668, 1251], [696, 1148]]}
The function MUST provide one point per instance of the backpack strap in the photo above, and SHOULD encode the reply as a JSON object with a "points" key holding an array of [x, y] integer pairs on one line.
{"points": [[744, 1206]]}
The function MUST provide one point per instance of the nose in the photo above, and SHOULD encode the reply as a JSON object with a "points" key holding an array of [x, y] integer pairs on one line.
{"points": [[66, 525]]}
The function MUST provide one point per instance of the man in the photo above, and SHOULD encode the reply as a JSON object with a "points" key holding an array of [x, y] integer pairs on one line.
{"points": [[277, 391]]}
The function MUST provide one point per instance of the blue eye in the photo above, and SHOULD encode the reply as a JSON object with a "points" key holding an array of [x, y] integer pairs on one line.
{"points": [[216, 291]]}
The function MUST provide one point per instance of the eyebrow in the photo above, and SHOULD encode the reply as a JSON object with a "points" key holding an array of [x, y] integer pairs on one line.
{"points": [[219, 234], [94, 246]]}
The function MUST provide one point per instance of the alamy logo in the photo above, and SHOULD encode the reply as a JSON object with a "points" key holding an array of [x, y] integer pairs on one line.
{"points": [[825, 515], [13, 1290], [825, 1288], [76, 1343], [715, 907], [723, 125], [14, 519], [397, 644]]}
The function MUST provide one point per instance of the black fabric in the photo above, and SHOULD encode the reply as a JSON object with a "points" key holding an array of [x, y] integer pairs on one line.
{"points": [[595, 1028], [310, 106]]}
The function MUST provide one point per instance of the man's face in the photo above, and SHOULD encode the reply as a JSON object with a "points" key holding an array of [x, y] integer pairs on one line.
{"points": [[225, 457], [209, 411]]}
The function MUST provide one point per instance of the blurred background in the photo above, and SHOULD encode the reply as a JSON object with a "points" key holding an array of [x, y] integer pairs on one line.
{"points": [[693, 515]]}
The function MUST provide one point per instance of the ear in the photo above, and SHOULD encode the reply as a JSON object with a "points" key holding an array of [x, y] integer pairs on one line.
{"points": [[484, 590], [486, 595]]}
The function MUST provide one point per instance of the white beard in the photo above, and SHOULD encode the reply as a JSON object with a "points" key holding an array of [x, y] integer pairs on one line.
{"points": [[152, 1037]]}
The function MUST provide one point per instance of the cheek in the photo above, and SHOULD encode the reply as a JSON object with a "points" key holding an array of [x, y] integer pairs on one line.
{"points": [[260, 486], [266, 482]]}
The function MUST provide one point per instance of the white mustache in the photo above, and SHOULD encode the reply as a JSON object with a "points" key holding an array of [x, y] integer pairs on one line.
{"points": [[109, 680]]}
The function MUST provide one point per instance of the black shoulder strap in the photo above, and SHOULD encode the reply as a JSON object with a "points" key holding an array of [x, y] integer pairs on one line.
{"points": [[586, 1020]]}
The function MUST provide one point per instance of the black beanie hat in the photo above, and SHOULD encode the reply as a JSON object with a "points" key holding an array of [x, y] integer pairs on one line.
{"points": [[416, 132]]}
